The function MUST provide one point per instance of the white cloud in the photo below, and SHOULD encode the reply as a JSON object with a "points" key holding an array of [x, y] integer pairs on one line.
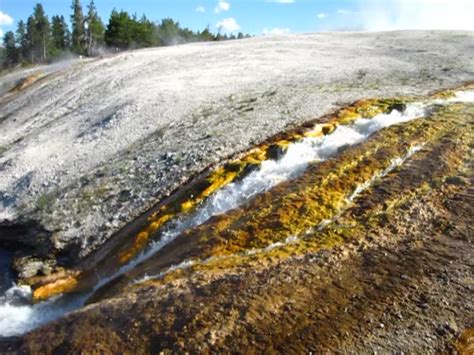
{"points": [[5, 19], [376, 15], [222, 6], [201, 9], [343, 12], [275, 31], [228, 25], [322, 15], [417, 14], [1, 36], [282, 1]]}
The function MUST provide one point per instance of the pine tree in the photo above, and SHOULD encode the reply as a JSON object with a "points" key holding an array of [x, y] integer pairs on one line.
{"points": [[78, 30], [22, 40], [124, 32], [118, 33], [30, 39], [95, 29], [11, 51], [144, 33], [60, 33], [3, 63], [42, 38], [206, 35], [169, 32]]}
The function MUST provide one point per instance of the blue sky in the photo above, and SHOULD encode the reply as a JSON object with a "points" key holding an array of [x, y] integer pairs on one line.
{"points": [[273, 16]]}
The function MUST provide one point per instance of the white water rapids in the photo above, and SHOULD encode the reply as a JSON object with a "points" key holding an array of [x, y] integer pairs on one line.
{"points": [[18, 316]]}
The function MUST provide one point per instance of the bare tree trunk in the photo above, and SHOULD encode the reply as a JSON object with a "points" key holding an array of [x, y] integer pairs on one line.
{"points": [[44, 47], [89, 44]]}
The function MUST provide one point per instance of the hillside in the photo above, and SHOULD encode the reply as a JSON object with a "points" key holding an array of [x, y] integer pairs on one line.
{"points": [[309, 188]]}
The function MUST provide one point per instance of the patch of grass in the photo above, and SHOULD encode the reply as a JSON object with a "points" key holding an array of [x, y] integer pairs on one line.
{"points": [[46, 200], [3, 149], [426, 74], [361, 74]]}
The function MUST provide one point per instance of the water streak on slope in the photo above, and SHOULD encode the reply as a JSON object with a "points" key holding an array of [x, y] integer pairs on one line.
{"points": [[273, 172], [396, 162]]}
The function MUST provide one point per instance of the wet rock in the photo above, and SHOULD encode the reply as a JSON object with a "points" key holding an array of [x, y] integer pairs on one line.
{"points": [[25, 235], [398, 106], [28, 267], [447, 328], [124, 196], [249, 168], [457, 180], [275, 152]]}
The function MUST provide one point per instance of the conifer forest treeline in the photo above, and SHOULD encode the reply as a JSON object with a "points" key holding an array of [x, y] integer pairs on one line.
{"points": [[41, 40]]}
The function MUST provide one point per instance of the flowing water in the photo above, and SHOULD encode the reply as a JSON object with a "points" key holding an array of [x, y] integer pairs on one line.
{"points": [[18, 316], [396, 162]]}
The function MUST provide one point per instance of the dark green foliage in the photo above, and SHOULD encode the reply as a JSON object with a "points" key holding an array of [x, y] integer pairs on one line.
{"points": [[2, 58], [124, 32], [118, 33], [37, 39], [169, 32], [144, 33], [11, 51], [61, 36], [78, 38], [22, 41], [30, 38], [206, 35], [42, 40]]}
